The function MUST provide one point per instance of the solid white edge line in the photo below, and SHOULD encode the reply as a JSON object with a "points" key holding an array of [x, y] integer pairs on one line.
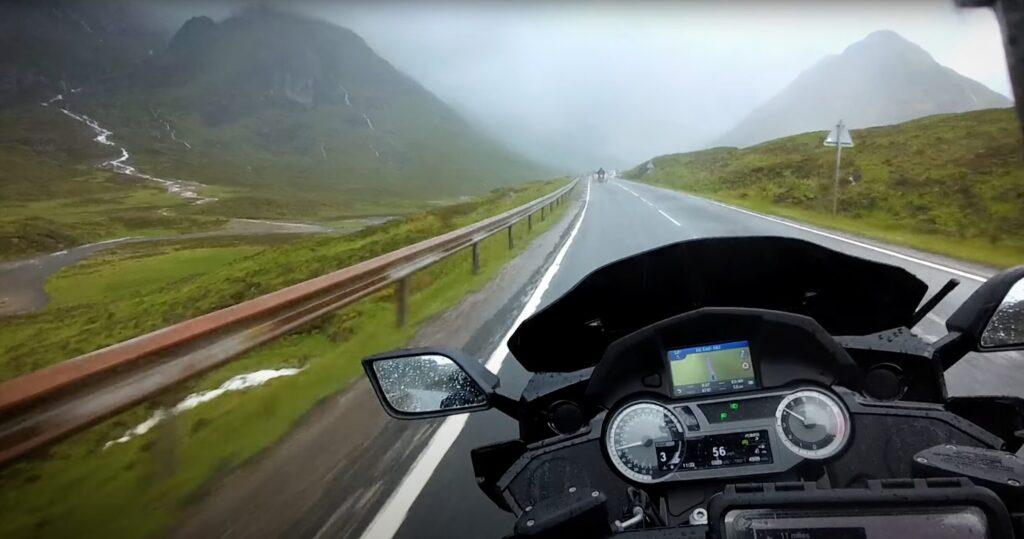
{"points": [[392, 514], [902, 256], [908, 258]]}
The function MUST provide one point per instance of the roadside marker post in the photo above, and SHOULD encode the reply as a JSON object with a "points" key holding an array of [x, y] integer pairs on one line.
{"points": [[840, 138]]}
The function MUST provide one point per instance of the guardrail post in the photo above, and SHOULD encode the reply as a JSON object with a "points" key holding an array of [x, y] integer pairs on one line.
{"points": [[402, 300], [511, 241], [529, 223], [542, 212], [476, 257]]}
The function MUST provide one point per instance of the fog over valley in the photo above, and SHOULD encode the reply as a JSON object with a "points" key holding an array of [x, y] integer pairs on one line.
{"points": [[580, 85]]}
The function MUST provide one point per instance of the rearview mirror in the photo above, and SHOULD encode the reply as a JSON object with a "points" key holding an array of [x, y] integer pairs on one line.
{"points": [[1006, 327], [420, 383], [991, 319]]}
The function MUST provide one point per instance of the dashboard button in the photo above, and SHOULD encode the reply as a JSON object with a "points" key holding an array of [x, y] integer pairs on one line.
{"points": [[652, 380]]}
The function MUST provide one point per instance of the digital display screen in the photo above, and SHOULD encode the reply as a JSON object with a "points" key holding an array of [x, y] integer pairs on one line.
{"points": [[669, 454], [721, 450], [740, 410], [712, 368]]}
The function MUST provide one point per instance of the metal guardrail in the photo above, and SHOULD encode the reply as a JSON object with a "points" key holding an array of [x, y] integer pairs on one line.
{"points": [[47, 405]]}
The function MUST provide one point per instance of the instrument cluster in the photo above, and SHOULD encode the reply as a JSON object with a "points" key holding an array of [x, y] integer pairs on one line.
{"points": [[650, 441]]}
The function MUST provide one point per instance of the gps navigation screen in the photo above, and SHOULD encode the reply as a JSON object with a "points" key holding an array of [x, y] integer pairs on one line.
{"points": [[712, 368]]}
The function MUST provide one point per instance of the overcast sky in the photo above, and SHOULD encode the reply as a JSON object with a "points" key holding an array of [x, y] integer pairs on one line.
{"points": [[588, 84]]}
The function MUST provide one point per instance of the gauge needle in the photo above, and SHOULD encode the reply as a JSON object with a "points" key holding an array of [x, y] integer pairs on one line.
{"points": [[627, 446], [796, 415]]}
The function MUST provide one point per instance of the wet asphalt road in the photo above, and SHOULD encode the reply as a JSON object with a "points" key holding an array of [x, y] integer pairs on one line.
{"points": [[624, 218]]}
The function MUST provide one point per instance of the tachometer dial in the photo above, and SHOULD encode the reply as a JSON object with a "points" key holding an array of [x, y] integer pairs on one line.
{"points": [[645, 441], [812, 424]]}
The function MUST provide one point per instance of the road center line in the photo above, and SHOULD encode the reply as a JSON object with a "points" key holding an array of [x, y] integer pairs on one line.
{"points": [[392, 514], [901, 256], [669, 217], [649, 203]]}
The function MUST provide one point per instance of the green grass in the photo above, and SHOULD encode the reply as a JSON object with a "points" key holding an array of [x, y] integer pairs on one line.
{"points": [[139, 488], [951, 184], [69, 327], [53, 197], [118, 279], [1004, 254]]}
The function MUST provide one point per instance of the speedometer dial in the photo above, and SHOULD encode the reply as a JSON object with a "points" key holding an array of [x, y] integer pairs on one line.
{"points": [[645, 441], [812, 424]]}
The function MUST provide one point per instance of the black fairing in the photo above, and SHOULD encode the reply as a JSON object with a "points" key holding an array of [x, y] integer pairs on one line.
{"points": [[846, 295]]}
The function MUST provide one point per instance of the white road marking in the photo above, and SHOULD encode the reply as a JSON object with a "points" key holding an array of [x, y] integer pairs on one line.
{"points": [[669, 217], [649, 203], [392, 514], [932, 265]]}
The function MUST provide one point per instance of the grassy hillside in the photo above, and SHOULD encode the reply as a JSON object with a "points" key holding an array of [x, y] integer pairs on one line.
{"points": [[952, 184], [52, 195], [138, 288]]}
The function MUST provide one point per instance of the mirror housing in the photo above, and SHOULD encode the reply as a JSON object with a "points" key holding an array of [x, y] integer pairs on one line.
{"points": [[418, 383], [992, 318]]}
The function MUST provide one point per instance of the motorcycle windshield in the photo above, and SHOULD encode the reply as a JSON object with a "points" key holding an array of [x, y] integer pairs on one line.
{"points": [[845, 294]]}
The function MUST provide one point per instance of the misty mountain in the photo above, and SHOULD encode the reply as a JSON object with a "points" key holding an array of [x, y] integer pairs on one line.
{"points": [[272, 101], [306, 103], [883, 79], [50, 47]]}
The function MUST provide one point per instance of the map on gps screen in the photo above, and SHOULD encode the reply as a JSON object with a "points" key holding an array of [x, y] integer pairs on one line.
{"points": [[712, 368]]}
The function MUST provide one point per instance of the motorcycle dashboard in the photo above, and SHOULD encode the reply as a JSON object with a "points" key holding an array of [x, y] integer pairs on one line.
{"points": [[722, 393]]}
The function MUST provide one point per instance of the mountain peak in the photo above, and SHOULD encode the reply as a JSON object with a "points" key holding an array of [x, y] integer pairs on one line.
{"points": [[886, 36], [888, 47], [880, 80], [194, 31], [263, 57]]}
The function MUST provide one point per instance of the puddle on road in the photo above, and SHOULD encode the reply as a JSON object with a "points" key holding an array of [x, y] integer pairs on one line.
{"points": [[236, 383]]}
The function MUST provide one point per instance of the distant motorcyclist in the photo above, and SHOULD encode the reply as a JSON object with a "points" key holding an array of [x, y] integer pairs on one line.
{"points": [[600, 175]]}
